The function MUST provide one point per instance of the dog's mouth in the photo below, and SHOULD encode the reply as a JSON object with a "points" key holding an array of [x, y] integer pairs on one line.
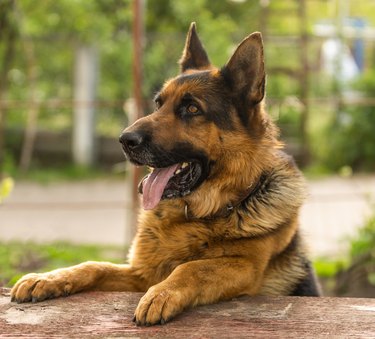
{"points": [[170, 182]]}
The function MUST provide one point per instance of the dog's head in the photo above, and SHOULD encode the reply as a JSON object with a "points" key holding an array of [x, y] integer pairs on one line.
{"points": [[208, 128]]}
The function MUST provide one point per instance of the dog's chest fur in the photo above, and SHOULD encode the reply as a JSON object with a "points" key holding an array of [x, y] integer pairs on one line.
{"points": [[165, 239]]}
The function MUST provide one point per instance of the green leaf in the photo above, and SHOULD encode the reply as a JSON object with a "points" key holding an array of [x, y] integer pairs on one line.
{"points": [[6, 187], [371, 278]]}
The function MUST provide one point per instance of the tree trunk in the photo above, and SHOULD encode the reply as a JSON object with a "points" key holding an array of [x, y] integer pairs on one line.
{"points": [[8, 36]]}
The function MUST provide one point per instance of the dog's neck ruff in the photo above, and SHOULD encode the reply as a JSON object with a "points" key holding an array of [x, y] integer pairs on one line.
{"points": [[228, 209]]}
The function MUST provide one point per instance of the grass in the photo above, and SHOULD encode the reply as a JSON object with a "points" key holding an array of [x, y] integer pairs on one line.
{"points": [[18, 258]]}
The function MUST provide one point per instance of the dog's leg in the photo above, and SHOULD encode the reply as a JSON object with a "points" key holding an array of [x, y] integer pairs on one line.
{"points": [[83, 277], [197, 282]]}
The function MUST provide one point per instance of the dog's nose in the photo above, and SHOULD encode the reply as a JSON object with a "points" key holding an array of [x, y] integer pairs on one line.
{"points": [[132, 139]]}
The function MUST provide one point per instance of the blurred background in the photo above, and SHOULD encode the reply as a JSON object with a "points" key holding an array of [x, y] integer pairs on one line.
{"points": [[74, 73]]}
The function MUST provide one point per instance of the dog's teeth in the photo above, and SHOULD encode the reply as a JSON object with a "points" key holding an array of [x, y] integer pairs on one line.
{"points": [[178, 171], [185, 164]]}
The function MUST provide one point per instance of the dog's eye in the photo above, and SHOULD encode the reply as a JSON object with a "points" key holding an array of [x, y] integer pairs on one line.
{"points": [[188, 110], [192, 109]]}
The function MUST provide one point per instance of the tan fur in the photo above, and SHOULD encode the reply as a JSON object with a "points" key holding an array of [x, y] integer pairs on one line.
{"points": [[181, 262]]}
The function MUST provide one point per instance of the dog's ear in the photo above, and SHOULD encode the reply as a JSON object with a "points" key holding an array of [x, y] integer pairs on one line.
{"points": [[245, 69], [194, 55]]}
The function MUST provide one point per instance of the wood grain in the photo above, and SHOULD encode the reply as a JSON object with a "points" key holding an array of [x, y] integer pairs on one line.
{"points": [[99, 314]]}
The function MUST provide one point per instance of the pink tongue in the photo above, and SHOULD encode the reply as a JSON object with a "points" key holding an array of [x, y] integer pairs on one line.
{"points": [[154, 185]]}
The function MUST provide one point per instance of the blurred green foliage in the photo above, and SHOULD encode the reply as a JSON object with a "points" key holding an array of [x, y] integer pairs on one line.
{"points": [[17, 259], [326, 268], [6, 187], [358, 279], [56, 28], [351, 134], [364, 242], [348, 275]]}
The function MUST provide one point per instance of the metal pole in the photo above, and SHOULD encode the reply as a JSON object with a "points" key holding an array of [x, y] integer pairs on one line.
{"points": [[304, 79], [137, 55], [138, 6], [341, 14]]}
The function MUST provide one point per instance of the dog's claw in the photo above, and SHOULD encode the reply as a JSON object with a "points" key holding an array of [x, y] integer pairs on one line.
{"points": [[21, 301]]}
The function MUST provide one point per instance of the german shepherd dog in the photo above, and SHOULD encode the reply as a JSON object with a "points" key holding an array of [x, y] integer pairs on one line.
{"points": [[220, 206]]}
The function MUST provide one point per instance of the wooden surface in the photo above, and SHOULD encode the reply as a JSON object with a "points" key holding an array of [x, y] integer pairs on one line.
{"points": [[98, 314]]}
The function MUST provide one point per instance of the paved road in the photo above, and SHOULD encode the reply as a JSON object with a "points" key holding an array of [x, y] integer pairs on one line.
{"points": [[97, 212]]}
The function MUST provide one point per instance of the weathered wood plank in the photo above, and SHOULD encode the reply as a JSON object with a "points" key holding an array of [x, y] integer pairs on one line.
{"points": [[98, 314]]}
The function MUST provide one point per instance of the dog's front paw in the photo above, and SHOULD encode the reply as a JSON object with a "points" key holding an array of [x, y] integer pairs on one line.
{"points": [[40, 286], [159, 305]]}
